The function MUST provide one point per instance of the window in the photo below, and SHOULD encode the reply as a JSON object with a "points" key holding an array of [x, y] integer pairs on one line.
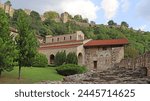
{"points": [[52, 40], [57, 39], [70, 37], [95, 64], [64, 38]]}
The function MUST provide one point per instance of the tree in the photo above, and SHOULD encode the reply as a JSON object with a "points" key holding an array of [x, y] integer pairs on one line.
{"points": [[6, 44], [35, 15], [78, 17], [26, 41], [72, 58], [40, 60], [60, 58], [111, 23], [52, 15], [125, 24], [36, 22]]}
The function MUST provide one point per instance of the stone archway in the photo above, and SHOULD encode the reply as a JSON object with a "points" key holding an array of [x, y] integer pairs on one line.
{"points": [[80, 59], [52, 57]]}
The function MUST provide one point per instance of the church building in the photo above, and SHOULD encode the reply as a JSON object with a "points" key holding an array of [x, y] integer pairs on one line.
{"points": [[94, 54]]}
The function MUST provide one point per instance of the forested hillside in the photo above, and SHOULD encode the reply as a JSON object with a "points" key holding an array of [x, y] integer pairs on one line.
{"points": [[139, 40]]}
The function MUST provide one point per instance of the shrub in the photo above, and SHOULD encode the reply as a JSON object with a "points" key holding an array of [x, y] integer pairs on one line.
{"points": [[70, 69], [40, 60], [72, 58], [60, 58]]}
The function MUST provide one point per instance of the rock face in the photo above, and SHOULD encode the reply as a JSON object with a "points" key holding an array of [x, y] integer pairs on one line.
{"points": [[110, 76]]}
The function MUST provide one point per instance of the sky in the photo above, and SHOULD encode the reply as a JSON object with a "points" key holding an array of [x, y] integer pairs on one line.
{"points": [[135, 12]]}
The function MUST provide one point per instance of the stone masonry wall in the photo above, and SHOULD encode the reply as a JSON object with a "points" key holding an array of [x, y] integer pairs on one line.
{"points": [[138, 62], [106, 57]]}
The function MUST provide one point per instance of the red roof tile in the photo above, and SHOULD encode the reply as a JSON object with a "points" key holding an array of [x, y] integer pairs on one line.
{"points": [[59, 46], [111, 42]]}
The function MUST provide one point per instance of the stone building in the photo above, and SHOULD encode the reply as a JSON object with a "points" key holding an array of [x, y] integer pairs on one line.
{"points": [[94, 54], [7, 8]]}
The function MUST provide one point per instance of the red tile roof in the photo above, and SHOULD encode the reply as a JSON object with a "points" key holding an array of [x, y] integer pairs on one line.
{"points": [[111, 42], [59, 46]]}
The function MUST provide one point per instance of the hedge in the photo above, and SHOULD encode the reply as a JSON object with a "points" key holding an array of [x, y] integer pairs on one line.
{"points": [[70, 69]]}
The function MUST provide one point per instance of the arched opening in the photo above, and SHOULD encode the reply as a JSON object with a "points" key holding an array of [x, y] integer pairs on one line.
{"points": [[52, 57], [80, 59]]}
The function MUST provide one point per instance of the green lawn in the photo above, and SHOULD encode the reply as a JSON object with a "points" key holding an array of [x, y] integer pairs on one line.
{"points": [[30, 75]]}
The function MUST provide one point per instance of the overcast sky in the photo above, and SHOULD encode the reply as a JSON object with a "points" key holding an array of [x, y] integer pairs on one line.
{"points": [[135, 12]]}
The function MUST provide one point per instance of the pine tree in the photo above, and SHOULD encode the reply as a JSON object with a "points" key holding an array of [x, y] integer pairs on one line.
{"points": [[72, 58]]}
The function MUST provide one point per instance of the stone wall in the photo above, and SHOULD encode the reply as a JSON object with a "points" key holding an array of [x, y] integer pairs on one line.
{"points": [[62, 38], [104, 57], [53, 51], [138, 62]]}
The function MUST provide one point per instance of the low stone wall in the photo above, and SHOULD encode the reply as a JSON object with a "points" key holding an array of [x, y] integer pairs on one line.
{"points": [[142, 61]]}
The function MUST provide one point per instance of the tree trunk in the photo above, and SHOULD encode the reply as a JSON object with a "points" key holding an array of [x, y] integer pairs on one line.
{"points": [[19, 76]]}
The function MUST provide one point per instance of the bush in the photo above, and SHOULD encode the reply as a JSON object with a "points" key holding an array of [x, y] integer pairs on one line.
{"points": [[72, 58], [40, 60], [70, 69]]}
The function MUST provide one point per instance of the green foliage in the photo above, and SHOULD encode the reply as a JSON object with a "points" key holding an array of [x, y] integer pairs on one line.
{"points": [[36, 23], [72, 58], [40, 60], [124, 24], [8, 2], [60, 58], [56, 28], [111, 23], [131, 52], [35, 16], [26, 41], [78, 18], [70, 69], [7, 48], [52, 15]]}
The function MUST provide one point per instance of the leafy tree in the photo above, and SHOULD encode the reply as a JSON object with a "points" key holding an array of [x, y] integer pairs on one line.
{"points": [[35, 15], [40, 60], [26, 41], [36, 23], [125, 24], [78, 17], [72, 58], [52, 15], [6, 44], [15, 17], [111, 23]]}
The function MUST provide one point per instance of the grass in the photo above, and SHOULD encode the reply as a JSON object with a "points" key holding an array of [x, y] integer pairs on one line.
{"points": [[30, 75]]}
